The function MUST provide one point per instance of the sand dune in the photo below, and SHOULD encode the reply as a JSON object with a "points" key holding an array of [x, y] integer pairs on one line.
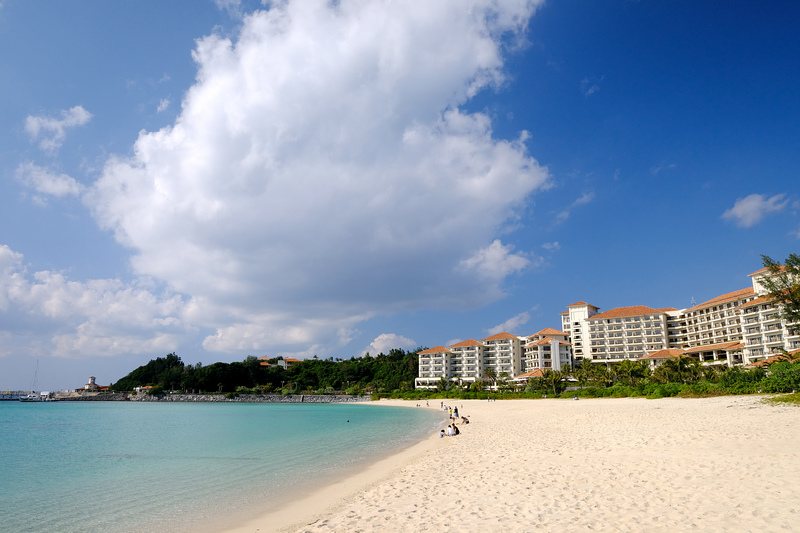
{"points": [[717, 464]]}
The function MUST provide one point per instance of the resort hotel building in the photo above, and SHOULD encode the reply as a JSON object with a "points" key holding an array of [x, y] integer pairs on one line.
{"points": [[741, 327]]}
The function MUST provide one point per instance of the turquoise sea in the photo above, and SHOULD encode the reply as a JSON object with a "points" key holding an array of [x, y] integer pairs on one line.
{"points": [[128, 466]]}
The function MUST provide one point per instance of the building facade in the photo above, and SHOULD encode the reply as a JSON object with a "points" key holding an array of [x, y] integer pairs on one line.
{"points": [[741, 327]]}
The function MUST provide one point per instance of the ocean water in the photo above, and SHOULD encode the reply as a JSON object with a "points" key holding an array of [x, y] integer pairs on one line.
{"points": [[124, 466]]}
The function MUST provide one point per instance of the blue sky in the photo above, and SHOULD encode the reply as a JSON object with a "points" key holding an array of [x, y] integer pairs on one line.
{"points": [[227, 178]]}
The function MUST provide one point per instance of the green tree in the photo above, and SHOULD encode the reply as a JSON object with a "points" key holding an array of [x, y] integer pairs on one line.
{"points": [[782, 283], [553, 379], [490, 376], [630, 372], [679, 370]]}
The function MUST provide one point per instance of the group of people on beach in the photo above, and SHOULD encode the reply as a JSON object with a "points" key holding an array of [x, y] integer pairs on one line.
{"points": [[452, 429]]}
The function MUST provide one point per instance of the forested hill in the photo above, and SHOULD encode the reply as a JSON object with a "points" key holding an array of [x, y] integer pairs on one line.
{"points": [[382, 373]]}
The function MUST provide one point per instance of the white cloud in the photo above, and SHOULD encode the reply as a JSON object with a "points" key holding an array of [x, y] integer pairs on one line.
{"points": [[53, 130], [748, 211], [796, 233], [321, 171], [583, 200], [551, 246], [589, 86], [511, 325], [656, 170], [232, 7], [385, 342], [163, 104], [46, 182], [96, 318], [495, 262]]}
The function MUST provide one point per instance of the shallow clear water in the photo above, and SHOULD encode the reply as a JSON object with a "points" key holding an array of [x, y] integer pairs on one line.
{"points": [[120, 466]]}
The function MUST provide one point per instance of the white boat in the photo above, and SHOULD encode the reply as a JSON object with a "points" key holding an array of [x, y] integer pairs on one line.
{"points": [[32, 397]]}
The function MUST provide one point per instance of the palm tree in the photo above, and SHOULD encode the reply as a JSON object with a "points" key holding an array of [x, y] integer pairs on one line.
{"points": [[631, 371], [490, 376], [552, 379], [679, 370], [583, 373]]}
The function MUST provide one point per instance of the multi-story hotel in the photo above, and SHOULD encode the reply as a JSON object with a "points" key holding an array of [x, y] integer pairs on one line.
{"points": [[501, 355], [737, 328]]}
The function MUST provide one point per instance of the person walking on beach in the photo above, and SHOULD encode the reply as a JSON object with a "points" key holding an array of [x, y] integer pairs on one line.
{"points": [[455, 412]]}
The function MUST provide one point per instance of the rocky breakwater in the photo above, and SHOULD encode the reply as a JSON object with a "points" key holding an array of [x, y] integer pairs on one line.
{"points": [[94, 397], [250, 398]]}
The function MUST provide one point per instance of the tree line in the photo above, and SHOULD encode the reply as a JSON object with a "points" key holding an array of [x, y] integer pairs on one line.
{"points": [[382, 373]]}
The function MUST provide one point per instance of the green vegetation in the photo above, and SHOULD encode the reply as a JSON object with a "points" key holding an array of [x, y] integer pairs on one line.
{"points": [[783, 286], [381, 374], [392, 376], [787, 398]]}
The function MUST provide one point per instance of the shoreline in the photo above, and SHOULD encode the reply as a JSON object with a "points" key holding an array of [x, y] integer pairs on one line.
{"points": [[607, 464], [330, 497]]}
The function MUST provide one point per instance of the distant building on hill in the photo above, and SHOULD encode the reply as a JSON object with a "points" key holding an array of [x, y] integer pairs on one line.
{"points": [[92, 386], [287, 362]]}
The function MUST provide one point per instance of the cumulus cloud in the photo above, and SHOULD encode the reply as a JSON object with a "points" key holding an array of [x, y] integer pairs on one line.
{"points": [[750, 210], [45, 181], [511, 325], [322, 171], [385, 342], [95, 318], [163, 105], [51, 131]]}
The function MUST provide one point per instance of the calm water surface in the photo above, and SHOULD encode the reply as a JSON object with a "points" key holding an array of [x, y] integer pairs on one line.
{"points": [[123, 466]]}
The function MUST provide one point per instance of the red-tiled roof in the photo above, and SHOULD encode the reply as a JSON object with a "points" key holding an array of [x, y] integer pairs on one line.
{"points": [[634, 310], [725, 298], [549, 331], [576, 304], [772, 359], [665, 309], [291, 360], [467, 343], [664, 354], [764, 270], [535, 373], [760, 300], [501, 337], [546, 341], [435, 349], [731, 345]]}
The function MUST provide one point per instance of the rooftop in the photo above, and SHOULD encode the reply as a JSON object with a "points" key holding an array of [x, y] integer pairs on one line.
{"points": [[725, 298], [634, 310]]}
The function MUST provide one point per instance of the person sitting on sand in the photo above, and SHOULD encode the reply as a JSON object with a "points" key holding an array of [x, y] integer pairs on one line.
{"points": [[450, 432], [456, 431], [465, 420], [441, 434]]}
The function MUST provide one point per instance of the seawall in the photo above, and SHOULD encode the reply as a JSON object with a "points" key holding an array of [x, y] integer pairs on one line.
{"points": [[242, 398]]}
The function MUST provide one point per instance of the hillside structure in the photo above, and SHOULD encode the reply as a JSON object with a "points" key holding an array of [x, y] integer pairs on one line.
{"points": [[742, 327]]}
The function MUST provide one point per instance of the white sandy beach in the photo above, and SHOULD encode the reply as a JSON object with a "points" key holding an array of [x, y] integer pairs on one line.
{"points": [[715, 464]]}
